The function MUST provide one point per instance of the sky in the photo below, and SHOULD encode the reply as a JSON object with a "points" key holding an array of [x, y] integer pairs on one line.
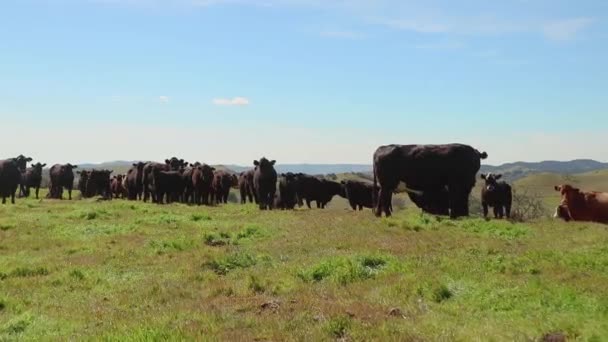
{"points": [[317, 81]]}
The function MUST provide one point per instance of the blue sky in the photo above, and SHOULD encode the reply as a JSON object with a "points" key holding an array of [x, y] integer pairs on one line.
{"points": [[227, 81]]}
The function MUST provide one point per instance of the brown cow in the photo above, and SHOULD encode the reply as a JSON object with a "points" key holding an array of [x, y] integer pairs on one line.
{"points": [[222, 182], [117, 186], [577, 205]]}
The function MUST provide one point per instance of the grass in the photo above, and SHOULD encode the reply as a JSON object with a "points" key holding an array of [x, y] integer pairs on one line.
{"points": [[120, 270]]}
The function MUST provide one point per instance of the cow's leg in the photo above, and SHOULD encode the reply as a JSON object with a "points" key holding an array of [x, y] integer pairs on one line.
{"points": [[360, 207], [70, 193], [508, 210], [496, 209], [3, 199], [37, 191], [484, 205], [13, 196], [308, 203]]}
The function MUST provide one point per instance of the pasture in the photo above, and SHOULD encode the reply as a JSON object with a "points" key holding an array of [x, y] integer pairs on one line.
{"points": [[119, 270]]}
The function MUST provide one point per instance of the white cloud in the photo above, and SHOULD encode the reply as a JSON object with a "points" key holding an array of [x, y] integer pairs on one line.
{"points": [[567, 29], [164, 99], [235, 101]]}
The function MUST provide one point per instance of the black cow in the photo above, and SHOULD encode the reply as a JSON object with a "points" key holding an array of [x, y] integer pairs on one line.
{"points": [[10, 176], [172, 164], [222, 182], [98, 184], [427, 167], [265, 182], [310, 188], [62, 176], [359, 194], [286, 198], [134, 181], [202, 179], [82, 181], [169, 184], [31, 179], [497, 195], [246, 187]]}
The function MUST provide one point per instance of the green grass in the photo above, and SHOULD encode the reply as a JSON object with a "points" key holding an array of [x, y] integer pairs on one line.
{"points": [[120, 270]]}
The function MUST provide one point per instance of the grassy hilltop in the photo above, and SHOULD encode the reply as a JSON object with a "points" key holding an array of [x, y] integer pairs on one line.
{"points": [[132, 271]]}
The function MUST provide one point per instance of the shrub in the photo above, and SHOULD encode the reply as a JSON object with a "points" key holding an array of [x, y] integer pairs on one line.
{"points": [[527, 206]]}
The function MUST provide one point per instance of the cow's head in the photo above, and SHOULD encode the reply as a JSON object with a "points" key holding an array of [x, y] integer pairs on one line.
{"points": [[139, 166], [234, 180], [264, 164], [37, 168], [70, 166], [21, 162], [175, 164], [570, 194], [206, 172], [491, 180]]}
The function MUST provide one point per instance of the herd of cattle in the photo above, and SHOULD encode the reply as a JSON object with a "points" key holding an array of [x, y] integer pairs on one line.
{"points": [[437, 178]]}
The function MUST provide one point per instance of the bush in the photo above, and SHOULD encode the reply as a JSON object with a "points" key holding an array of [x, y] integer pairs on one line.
{"points": [[527, 206]]}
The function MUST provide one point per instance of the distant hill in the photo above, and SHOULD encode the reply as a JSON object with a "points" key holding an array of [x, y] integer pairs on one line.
{"points": [[518, 170]]}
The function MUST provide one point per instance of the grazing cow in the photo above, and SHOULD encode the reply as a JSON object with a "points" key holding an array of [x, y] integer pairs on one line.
{"points": [[577, 205], [246, 187], [169, 184], [98, 184], [265, 182], [497, 195], [427, 167], [134, 181], [31, 179], [286, 198], [202, 180], [222, 182], [434, 201], [10, 176], [310, 188], [117, 186], [62, 176], [359, 194]]}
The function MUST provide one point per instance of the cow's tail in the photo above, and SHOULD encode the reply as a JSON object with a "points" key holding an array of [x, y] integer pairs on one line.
{"points": [[482, 155]]}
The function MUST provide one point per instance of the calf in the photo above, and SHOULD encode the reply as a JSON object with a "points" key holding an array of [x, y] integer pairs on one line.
{"points": [[222, 182], [32, 179], [98, 184], [310, 188], [359, 194], [497, 195], [286, 198], [169, 184], [117, 186], [246, 187], [202, 180], [577, 205]]}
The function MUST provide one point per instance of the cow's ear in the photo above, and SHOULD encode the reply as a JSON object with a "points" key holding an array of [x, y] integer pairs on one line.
{"points": [[167, 161], [272, 162], [557, 188], [181, 161], [498, 176], [212, 169], [110, 172], [256, 163], [43, 165], [28, 159], [483, 176], [135, 165], [74, 166]]}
